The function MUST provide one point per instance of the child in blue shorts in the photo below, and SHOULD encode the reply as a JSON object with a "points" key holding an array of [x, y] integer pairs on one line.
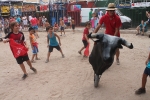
{"points": [[34, 45], [144, 78]]}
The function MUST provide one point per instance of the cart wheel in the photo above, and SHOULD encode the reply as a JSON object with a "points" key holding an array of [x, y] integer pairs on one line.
{"points": [[96, 80]]}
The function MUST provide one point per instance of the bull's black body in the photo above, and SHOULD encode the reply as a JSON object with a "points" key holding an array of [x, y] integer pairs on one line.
{"points": [[102, 55]]}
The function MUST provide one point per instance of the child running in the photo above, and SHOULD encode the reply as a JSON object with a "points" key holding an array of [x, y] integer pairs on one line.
{"points": [[73, 25], [52, 42], [34, 45], [85, 39], [146, 73], [19, 38], [62, 28]]}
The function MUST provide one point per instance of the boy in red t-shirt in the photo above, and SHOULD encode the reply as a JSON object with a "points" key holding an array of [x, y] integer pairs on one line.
{"points": [[85, 39]]}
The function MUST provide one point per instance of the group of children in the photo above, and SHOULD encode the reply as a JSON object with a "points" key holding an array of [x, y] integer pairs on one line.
{"points": [[19, 38], [62, 25]]}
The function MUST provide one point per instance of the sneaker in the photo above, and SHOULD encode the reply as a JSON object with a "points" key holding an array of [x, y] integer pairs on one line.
{"points": [[46, 61], [118, 62], [63, 56], [34, 70], [24, 76], [142, 34], [60, 35], [140, 91]]}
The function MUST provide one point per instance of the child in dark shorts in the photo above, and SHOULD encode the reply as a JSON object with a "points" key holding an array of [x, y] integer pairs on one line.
{"points": [[144, 77], [73, 25], [61, 24], [52, 42], [85, 39], [19, 38]]}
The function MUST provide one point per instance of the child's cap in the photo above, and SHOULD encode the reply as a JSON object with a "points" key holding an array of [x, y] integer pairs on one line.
{"points": [[30, 28]]}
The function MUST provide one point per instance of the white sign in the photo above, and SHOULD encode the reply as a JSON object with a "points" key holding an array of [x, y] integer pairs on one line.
{"points": [[141, 4]]}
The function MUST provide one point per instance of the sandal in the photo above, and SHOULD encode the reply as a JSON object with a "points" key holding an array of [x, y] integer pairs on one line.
{"points": [[137, 33], [32, 61], [85, 56], [63, 56], [46, 61], [80, 52], [37, 59]]}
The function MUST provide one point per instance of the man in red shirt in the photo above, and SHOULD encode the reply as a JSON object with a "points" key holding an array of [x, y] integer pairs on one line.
{"points": [[34, 24], [112, 24]]}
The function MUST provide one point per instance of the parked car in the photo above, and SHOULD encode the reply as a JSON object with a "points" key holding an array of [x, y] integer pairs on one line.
{"points": [[126, 21]]}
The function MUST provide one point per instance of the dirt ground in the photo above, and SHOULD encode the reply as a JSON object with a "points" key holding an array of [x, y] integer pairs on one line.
{"points": [[71, 78]]}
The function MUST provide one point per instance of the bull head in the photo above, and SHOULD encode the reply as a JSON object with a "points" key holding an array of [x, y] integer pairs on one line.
{"points": [[104, 50]]}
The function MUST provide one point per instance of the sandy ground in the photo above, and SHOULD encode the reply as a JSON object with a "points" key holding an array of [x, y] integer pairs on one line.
{"points": [[71, 78]]}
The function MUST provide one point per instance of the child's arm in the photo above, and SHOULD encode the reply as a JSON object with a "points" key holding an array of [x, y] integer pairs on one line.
{"points": [[87, 39], [147, 59], [25, 44], [31, 42], [47, 41], [58, 38], [6, 40]]}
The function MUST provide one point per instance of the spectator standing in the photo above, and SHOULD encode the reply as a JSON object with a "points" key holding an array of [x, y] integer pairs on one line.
{"points": [[6, 26], [34, 24], [43, 21], [90, 14], [112, 23], [69, 21]]}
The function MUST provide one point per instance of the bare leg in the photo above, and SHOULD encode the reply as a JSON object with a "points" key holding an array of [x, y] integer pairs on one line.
{"points": [[81, 49], [138, 30], [33, 57], [61, 52], [64, 32], [144, 80], [37, 36], [29, 63], [23, 68], [117, 54], [143, 31], [61, 32], [36, 57], [48, 55]]}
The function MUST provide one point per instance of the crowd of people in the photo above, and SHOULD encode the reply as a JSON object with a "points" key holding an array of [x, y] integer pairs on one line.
{"points": [[111, 21], [32, 21]]}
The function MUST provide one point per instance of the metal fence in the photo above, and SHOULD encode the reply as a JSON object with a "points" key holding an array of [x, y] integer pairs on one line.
{"points": [[136, 14]]}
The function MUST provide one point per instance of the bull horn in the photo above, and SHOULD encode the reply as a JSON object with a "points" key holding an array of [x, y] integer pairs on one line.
{"points": [[125, 43], [97, 35]]}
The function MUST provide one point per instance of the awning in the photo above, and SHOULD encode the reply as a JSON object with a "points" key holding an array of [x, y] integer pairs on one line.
{"points": [[11, 0]]}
